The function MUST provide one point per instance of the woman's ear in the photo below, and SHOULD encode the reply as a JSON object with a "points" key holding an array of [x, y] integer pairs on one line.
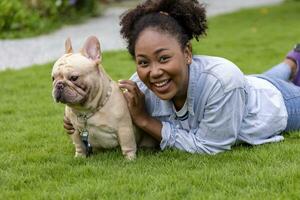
{"points": [[188, 53]]}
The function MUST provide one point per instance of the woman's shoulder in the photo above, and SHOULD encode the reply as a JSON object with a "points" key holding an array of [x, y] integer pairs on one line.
{"points": [[225, 71], [215, 64]]}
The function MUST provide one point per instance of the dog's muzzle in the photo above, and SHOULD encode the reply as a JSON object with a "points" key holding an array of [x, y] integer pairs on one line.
{"points": [[58, 91]]}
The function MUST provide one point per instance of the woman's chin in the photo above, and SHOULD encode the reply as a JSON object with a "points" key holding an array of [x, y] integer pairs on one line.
{"points": [[165, 96]]}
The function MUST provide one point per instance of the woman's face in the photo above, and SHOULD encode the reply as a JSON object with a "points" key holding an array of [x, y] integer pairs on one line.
{"points": [[162, 65]]}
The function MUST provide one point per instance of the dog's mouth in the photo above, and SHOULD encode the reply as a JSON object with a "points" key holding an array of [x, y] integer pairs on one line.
{"points": [[59, 97], [68, 97]]}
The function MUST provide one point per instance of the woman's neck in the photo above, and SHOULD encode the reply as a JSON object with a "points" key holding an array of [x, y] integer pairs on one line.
{"points": [[179, 102], [179, 99]]}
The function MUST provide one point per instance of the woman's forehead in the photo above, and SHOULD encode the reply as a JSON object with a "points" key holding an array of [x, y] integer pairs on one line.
{"points": [[153, 39]]}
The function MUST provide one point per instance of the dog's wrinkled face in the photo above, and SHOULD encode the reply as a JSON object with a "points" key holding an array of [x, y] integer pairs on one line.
{"points": [[74, 75], [69, 79]]}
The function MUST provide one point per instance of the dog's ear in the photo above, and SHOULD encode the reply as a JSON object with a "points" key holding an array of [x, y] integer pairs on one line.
{"points": [[68, 46], [91, 49]]}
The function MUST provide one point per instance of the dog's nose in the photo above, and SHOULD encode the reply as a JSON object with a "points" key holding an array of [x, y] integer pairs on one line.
{"points": [[60, 85]]}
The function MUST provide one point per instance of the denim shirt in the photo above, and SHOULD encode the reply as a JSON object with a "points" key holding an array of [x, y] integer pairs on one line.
{"points": [[224, 108]]}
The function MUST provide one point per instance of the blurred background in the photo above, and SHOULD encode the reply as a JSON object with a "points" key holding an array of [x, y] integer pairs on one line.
{"points": [[33, 31], [33, 17]]}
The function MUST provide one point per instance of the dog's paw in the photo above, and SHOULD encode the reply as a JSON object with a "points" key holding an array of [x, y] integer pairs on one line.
{"points": [[79, 155], [130, 156]]}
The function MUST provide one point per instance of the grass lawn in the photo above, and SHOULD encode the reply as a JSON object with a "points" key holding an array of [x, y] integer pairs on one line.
{"points": [[36, 156]]}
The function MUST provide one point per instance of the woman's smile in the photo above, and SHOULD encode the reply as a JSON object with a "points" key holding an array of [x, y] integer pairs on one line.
{"points": [[162, 64], [161, 86]]}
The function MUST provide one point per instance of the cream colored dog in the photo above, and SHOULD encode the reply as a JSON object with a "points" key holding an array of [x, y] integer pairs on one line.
{"points": [[95, 105]]}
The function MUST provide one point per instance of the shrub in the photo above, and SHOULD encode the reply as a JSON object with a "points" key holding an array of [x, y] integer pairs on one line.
{"points": [[36, 16]]}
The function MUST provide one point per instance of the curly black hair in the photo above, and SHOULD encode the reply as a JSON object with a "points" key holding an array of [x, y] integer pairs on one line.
{"points": [[184, 19]]}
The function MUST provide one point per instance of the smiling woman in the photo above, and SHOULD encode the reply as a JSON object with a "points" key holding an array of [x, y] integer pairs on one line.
{"points": [[201, 104], [163, 54], [35, 149]]}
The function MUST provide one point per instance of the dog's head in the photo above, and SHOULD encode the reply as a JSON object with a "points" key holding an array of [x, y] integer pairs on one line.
{"points": [[76, 75]]}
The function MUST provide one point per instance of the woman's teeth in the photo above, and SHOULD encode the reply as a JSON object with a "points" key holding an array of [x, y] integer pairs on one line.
{"points": [[161, 84]]}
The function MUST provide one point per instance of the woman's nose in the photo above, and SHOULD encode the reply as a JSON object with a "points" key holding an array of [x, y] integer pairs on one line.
{"points": [[156, 71]]}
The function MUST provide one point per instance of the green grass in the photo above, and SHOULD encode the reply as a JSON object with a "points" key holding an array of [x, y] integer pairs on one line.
{"points": [[36, 156]]}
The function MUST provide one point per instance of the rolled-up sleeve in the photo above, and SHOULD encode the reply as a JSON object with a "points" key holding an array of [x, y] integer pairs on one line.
{"points": [[218, 126]]}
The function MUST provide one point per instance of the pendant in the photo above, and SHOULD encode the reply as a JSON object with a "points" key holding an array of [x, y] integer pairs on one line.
{"points": [[84, 135]]}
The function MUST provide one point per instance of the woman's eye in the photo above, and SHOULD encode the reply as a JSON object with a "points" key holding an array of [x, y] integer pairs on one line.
{"points": [[74, 78], [163, 59], [142, 63]]}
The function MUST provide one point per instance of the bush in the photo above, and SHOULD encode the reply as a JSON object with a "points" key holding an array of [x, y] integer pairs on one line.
{"points": [[35, 16]]}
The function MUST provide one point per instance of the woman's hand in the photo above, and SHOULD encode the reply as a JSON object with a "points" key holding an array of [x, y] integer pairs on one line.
{"points": [[136, 105], [68, 126], [135, 101]]}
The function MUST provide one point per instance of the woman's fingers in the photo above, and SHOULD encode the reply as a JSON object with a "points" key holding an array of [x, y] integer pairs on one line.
{"points": [[130, 98], [129, 92], [133, 95], [129, 85], [135, 99]]}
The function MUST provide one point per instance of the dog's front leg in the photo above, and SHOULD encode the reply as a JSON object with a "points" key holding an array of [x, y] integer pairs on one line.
{"points": [[127, 142], [80, 149]]}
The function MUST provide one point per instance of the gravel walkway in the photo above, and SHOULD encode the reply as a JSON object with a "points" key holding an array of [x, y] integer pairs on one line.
{"points": [[26, 52]]}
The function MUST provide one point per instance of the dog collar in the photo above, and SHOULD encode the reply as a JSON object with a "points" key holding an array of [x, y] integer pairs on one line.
{"points": [[83, 117]]}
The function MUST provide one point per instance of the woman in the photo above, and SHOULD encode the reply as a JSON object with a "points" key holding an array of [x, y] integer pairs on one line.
{"points": [[201, 104]]}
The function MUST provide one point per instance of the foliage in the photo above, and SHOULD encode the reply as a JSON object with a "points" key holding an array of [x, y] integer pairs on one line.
{"points": [[36, 159], [19, 18]]}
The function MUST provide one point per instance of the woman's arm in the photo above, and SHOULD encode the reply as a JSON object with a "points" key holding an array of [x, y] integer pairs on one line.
{"points": [[136, 105], [217, 130]]}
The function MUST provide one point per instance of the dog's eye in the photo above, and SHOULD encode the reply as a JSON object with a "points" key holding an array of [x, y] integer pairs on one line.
{"points": [[52, 78], [73, 78]]}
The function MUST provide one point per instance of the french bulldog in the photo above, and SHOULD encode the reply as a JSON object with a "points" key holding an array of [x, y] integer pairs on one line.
{"points": [[95, 105]]}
